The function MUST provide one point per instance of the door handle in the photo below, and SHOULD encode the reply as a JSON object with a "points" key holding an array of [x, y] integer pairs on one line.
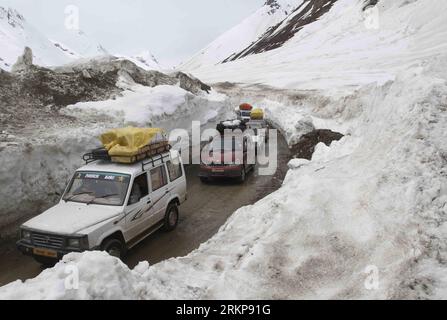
{"points": [[149, 201]]}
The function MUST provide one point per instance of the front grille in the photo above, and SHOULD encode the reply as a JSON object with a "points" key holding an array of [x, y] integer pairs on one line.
{"points": [[46, 240]]}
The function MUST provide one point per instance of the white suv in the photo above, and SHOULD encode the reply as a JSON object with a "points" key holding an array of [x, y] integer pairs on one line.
{"points": [[108, 206]]}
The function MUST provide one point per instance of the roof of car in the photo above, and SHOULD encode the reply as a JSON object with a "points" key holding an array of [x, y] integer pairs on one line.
{"points": [[107, 166]]}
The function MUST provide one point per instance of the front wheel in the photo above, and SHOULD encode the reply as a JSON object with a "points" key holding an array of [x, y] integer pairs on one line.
{"points": [[114, 247], [171, 218]]}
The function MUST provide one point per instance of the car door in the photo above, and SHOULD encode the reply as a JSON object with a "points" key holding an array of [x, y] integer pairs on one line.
{"points": [[138, 208], [159, 191], [177, 185]]}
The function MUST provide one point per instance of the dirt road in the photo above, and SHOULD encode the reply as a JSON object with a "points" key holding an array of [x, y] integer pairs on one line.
{"points": [[206, 210]]}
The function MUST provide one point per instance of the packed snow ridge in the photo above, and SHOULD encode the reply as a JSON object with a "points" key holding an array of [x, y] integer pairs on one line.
{"points": [[16, 33], [365, 218]]}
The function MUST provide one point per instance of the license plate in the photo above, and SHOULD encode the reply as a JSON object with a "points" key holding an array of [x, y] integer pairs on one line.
{"points": [[45, 252], [218, 170]]}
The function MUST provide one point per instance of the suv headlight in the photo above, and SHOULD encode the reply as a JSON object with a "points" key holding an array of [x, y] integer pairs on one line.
{"points": [[26, 235], [74, 243], [78, 243]]}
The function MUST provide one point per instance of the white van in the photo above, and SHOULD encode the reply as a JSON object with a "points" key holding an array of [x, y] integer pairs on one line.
{"points": [[110, 207]]}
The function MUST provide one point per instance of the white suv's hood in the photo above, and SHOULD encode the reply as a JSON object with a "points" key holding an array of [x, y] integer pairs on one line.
{"points": [[72, 217]]}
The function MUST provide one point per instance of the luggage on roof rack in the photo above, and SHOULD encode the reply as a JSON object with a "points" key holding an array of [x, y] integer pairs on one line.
{"points": [[129, 145], [147, 152], [96, 154], [231, 125], [246, 107]]}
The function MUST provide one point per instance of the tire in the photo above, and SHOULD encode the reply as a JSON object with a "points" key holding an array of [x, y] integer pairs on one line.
{"points": [[46, 262], [114, 247], [243, 175], [204, 180], [171, 217]]}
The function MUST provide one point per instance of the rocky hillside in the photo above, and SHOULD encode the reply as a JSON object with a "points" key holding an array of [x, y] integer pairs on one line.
{"points": [[242, 35], [307, 12]]}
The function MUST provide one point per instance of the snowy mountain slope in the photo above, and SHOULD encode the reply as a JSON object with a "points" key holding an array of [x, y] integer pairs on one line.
{"points": [[365, 218], [16, 33], [242, 35], [78, 44], [307, 12]]}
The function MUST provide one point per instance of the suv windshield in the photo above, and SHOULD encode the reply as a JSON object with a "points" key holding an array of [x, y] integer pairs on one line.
{"points": [[98, 188]]}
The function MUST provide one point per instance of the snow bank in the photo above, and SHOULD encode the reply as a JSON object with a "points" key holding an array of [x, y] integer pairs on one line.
{"points": [[345, 49], [98, 275]]}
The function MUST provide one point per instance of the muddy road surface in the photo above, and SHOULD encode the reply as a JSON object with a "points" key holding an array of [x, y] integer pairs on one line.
{"points": [[206, 210]]}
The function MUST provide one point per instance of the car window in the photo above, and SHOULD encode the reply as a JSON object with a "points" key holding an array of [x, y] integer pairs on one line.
{"points": [[174, 169], [158, 178], [100, 188], [140, 189]]}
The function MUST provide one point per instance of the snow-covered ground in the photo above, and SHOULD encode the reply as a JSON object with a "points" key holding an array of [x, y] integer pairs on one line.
{"points": [[366, 218], [242, 35]]}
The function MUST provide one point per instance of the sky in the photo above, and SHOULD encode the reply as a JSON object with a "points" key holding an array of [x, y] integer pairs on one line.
{"points": [[173, 30]]}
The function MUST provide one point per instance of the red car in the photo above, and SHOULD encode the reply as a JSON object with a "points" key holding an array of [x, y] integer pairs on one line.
{"points": [[227, 158]]}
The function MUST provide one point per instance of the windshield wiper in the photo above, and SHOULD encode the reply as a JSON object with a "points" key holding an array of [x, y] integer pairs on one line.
{"points": [[77, 194], [102, 197]]}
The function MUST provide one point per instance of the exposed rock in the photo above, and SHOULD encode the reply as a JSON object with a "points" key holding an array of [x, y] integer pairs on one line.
{"points": [[86, 74], [305, 147], [24, 62], [190, 83]]}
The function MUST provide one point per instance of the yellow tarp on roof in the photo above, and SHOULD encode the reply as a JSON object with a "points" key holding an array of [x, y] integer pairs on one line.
{"points": [[129, 141], [257, 114]]}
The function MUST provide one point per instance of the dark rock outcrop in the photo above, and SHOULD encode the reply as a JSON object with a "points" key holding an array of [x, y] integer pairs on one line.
{"points": [[309, 11], [37, 93], [305, 147]]}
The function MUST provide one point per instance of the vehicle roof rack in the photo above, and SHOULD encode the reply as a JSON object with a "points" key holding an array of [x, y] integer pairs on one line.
{"points": [[150, 157], [152, 160]]}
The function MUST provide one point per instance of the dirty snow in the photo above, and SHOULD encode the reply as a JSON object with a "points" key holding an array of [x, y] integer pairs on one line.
{"points": [[375, 200]]}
